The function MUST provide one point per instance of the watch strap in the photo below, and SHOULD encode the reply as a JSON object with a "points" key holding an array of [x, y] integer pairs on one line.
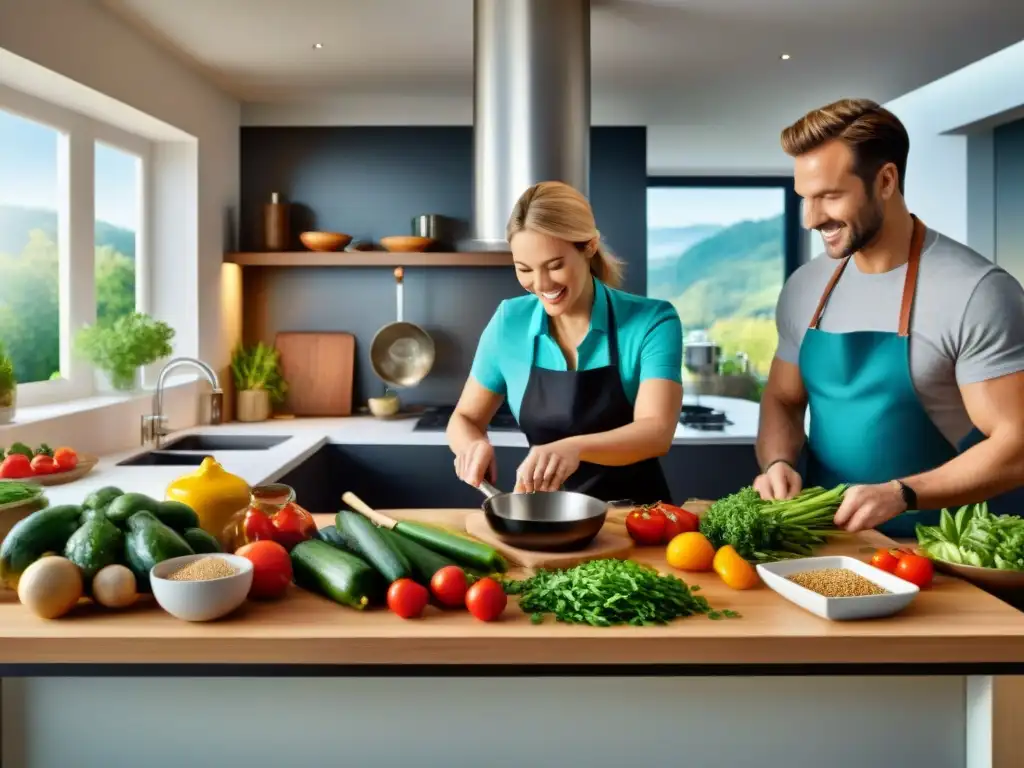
{"points": [[909, 495]]}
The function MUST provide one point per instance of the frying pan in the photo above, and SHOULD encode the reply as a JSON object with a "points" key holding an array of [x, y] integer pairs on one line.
{"points": [[401, 353], [550, 521]]}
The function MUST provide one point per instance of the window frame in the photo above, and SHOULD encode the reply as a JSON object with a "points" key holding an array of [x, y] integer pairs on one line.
{"points": [[794, 255], [76, 226]]}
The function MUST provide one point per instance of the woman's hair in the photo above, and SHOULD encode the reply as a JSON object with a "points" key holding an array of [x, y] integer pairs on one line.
{"points": [[556, 209]]}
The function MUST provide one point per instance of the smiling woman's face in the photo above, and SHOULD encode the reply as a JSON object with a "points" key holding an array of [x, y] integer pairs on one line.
{"points": [[551, 268]]}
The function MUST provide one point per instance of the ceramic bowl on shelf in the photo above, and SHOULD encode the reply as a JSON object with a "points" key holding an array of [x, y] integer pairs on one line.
{"points": [[406, 243], [898, 593], [325, 241], [201, 600]]}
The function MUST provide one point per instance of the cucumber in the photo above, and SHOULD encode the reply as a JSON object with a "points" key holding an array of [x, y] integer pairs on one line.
{"points": [[201, 541], [425, 562], [462, 549], [341, 576], [333, 536], [94, 546], [127, 504], [46, 530], [149, 542], [373, 547], [176, 515]]}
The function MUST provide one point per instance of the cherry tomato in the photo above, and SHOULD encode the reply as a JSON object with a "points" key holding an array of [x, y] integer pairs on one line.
{"points": [[258, 527], [66, 459], [44, 465], [486, 599], [271, 568], [646, 526], [449, 586], [16, 466], [885, 560], [915, 569], [292, 525], [407, 598], [677, 520]]}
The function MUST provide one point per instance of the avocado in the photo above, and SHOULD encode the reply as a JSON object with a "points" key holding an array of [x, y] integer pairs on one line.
{"points": [[201, 541], [127, 504], [177, 515], [46, 530], [100, 498], [95, 545], [149, 542]]}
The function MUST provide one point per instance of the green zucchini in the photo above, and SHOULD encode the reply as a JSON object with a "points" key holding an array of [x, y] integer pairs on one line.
{"points": [[425, 562], [341, 576], [373, 547], [462, 549], [332, 536]]}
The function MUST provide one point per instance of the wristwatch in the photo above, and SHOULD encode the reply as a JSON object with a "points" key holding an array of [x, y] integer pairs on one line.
{"points": [[909, 496]]}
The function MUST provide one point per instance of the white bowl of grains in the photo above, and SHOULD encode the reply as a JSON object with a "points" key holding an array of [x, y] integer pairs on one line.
{"points": [[201, 587], [838, 588]]}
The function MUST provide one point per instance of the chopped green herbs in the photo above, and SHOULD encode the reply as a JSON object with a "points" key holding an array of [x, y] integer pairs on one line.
{"points": [[762, 531], [604, 593]]}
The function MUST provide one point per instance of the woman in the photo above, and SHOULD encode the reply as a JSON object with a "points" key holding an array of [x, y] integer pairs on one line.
{"points": [[592, 374]]}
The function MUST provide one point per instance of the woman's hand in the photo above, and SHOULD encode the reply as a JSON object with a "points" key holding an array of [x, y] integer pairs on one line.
{"points": [[476, 463], [547, 467]]}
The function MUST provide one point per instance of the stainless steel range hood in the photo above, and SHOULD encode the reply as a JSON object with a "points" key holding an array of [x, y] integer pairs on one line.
{"points": [[531, 111]]}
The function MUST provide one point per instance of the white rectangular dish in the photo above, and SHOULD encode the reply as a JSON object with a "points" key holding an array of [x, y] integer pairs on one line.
{"points": [[901, 592]]}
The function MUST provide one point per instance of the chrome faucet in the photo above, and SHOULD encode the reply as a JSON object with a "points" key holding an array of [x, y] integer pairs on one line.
{"points": [[154, 426]]}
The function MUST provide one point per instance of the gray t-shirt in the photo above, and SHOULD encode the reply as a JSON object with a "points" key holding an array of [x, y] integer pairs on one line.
{"points": [[967, 323]]}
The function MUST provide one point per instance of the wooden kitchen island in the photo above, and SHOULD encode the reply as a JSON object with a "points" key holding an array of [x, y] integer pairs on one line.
{"points": [[777, 686]]}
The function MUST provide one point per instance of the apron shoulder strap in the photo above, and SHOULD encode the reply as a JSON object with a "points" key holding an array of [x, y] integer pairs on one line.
{"points": [[910, 281], [828, 292]]}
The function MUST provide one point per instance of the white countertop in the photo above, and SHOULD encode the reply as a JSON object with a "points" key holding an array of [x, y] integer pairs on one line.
{"points": [[307, 436]]}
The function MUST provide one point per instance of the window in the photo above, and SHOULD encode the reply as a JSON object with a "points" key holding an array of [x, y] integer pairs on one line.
{"points": [[720, 249], [30, 247], [118, 211], [72, 203]]}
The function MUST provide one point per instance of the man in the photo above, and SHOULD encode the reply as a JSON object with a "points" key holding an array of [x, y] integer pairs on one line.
{"points": [[907, 346]]}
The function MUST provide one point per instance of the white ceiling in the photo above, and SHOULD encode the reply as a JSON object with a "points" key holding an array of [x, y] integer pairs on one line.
{"points": [[699, 62]]}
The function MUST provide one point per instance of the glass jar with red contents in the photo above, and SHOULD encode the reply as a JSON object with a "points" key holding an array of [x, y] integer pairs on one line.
{"points": [[273, 514]]}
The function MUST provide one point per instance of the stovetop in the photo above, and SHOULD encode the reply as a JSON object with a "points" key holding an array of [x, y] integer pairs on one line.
{"points": [[693, 416], [702, 417], [436, 420]]}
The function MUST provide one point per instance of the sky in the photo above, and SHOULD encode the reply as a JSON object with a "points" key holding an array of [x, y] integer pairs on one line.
{"points": [[686, 206], [28, 172]]}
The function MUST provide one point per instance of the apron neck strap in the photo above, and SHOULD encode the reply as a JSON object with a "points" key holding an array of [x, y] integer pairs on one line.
{"points": [[909, 281]]}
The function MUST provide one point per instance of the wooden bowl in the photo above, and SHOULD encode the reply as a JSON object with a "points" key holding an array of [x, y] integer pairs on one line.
{"points": [[406, 243], [325, 241], [86, 463]]}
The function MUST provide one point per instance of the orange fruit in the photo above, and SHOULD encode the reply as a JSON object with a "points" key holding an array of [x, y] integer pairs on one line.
{"points": [[690, 551], [734, 570]]}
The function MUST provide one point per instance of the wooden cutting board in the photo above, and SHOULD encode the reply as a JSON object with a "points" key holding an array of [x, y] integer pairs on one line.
{"points": [[607, 544], [318, 368]]}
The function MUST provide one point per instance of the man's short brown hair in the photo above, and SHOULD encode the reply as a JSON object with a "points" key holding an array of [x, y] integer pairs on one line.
{"points": [[874, 134]]}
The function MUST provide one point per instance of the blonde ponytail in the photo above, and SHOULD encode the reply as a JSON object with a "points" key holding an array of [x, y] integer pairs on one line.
{"points": [[556, 209]]}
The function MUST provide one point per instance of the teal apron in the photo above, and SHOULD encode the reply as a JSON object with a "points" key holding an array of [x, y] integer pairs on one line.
{"points": [[867, 424]]}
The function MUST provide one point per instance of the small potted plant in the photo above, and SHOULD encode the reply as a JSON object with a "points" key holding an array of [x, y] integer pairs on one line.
{"points": [[8, 387], [120, 349], [258, 382]]}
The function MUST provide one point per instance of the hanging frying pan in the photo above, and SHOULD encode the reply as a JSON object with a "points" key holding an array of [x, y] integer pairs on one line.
{"points": [[401, 353]]}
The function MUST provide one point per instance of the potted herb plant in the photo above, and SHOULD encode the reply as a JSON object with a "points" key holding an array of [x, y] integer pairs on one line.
{"points": [[8, 387], [121, 348], [258, 382]]}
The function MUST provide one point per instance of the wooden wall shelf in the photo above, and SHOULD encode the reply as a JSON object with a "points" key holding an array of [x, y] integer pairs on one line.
{"points": [[368, 259]]}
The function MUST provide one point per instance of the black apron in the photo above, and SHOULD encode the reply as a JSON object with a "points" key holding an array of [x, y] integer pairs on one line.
{"points": [[561, 404]]}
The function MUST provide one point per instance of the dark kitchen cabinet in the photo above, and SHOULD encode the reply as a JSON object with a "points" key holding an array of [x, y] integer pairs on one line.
{"points": [[422, 476]]}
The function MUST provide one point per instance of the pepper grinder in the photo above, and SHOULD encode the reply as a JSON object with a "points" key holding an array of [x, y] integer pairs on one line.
{"points": [[276, 232]]}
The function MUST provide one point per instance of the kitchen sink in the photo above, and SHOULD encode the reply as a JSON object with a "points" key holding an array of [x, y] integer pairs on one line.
{"points": [[163, 459], [225, 442]]}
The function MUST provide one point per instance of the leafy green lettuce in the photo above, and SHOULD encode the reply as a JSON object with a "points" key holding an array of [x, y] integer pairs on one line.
{"points": [[974, 536]]}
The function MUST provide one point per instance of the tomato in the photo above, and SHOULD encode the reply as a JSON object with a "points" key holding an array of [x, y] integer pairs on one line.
{"points": [[915, 569], [885, 560], [734, 570], [690, 551], [292, 525], [66, 459], [16, 466], [44, 465], [449, 586], [677, 521], [271, 568], [646, 526], [258, 527], [407, 598], [486, 599]]}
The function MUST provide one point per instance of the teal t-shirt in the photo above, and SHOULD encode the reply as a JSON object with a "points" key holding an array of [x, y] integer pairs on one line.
{"points": [[650, 337]]}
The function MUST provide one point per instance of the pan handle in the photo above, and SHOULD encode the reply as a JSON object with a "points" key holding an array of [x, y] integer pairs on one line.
{"points": [[399, 277], [488, 490]]}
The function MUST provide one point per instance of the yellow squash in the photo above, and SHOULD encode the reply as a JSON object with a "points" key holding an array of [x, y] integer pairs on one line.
{"points": [[214, 493]]}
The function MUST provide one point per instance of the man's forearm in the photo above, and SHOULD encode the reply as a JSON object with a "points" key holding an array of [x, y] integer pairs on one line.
{"points": [[461, 432], [991, 467], [780, 434]]}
